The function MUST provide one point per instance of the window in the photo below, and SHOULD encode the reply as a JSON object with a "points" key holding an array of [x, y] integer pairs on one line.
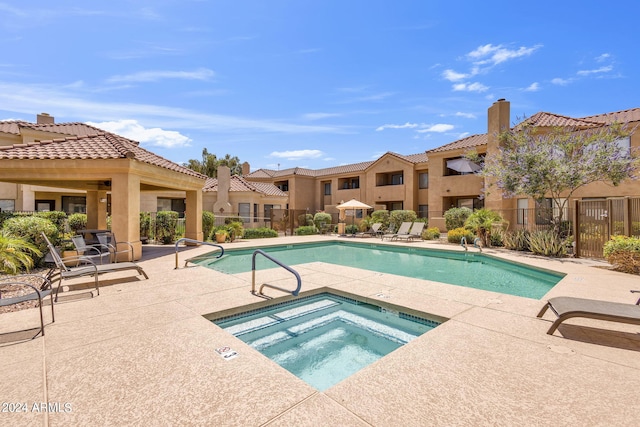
{"points": [[7, 205], [396, 179], [255, 212], [327, 188], [547, 210], [268, 209], [45, 205], [282, 185], [176, 205], [465, 203], [522, 212], [74, 204], [423, 180], [395, 206], [423, 211], [391, 178], [348, 183], [244, 211]]}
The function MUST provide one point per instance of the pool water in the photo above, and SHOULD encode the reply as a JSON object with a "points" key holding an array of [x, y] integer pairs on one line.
{"points": [[474, 270], [325, 338]]}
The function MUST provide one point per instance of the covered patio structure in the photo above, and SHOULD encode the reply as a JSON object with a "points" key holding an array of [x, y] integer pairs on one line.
{"points": [[101, 163]]}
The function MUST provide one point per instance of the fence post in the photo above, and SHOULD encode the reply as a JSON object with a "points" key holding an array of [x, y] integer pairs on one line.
{"points": [[576, 228], [626, 208]]}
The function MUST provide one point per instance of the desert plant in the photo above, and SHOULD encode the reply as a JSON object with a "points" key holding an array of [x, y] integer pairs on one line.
{"points": [[517, 240], [305, 230], [480, 222], [208, 221], [259, 233], [623, 253], [455, 217], [16, 254], [221, 233], [236, 230], [398, 217], [547, 243], [166, 224], [431, 233], [30, 229], [456, 235], [381, 216], [76, 222]]}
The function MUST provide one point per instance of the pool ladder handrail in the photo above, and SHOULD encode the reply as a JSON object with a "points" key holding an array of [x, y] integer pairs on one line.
{"points": [[286, 267], [199, 242], [476, 243]]}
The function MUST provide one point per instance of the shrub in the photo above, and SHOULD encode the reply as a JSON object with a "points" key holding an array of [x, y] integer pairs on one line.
{"points": [[517, 240], [208, 221], [398, 217], [481, 222], [166, 223], [431, 233], [236, 230], [455, 217], [58, 218], [77, 221], [547, 243], [381, 216], [30, 229], [145, 224], [230, 219], [321, 220], [305, 230], [623, 253], [16, 254], [351, 229], [456, 235], [259, 233]]}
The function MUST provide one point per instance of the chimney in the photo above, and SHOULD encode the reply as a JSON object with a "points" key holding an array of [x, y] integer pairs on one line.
{"points": [[498, 122], [224, 185], [45, 119], [246, 169]]}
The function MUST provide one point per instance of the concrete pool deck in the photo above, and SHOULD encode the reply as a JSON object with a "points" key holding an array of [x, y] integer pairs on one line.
{"points": [[142, 353]]}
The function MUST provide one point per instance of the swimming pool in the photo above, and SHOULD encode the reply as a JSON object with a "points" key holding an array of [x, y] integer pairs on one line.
{"points": [[325, 338], [474, 270]]}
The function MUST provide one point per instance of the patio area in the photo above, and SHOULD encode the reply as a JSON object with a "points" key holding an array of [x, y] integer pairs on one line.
{"points": [[142, 353]]}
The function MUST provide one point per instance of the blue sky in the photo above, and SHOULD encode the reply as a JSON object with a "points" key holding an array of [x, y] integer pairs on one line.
{"points": [[311, 83]]}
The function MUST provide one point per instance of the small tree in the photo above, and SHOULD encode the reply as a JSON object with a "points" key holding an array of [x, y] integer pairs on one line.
{"points": [[381, 216], [400, 216], [556, 163], [455, 217], [480, 222]]}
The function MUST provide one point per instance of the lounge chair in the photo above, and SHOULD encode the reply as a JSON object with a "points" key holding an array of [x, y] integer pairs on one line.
{"points": [[23, 288], [373, 231], [90, 252], [568, 307], [402, 231], [109, 241], [61, 271], [415, 233]]}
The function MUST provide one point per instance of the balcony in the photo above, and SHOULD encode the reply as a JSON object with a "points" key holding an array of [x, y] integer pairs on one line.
{"points": [[462, 185]]}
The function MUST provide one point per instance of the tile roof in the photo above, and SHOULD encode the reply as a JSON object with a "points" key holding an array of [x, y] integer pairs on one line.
{"points": [[624, 116], [468, 142], [11, 126], [544, 119], [241, 185], [103, 145]]}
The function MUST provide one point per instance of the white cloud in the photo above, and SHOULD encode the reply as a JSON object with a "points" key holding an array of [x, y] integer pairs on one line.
{"points": [[494, 55], [154, 76], [470, 87], [437, 128], [533, 87], [147, 136], [404, 126], [560, 82], [596, 71], [465, 115], [603, 57], [319, 116], [297, 154], [453, 76]]}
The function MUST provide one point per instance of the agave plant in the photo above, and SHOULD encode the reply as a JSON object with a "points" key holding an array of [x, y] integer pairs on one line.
{"points": [[15, 253]]}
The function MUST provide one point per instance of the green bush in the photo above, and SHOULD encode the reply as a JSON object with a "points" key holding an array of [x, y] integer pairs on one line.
{"points": [[230, 219], [305, 219], [145, 224], [517, 240], [456, 235], [236, 230], [381, 216], [547, 243], [16, 254], [77, 221], [166, 223], [305, 230], [259, 233], [398, 217], [481, 223], [351, 229], [208, 221], [30, 229], [431, 233], [455, 217], [321, 220], [623, 253], [58, 218]]}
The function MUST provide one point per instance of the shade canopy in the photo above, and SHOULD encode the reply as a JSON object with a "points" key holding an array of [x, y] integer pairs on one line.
{"points": [[463, 165], [354, 204]]}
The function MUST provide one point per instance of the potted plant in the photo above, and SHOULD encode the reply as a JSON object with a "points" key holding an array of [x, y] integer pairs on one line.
{"points": [[68, 250], [221, 235]]}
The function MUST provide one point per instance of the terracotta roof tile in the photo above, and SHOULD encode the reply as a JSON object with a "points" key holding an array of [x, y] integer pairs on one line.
{"points": [[544, 119], [239, 184], [100, 146], [11, 126], [624, 116], [468, 142]]}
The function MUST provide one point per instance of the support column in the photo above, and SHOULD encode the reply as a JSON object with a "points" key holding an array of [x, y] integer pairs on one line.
{"points": [[498, 117], [97, 210], [125, 210], [193, 216]]}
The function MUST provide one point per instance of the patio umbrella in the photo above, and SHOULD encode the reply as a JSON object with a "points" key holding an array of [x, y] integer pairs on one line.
{"points": [[463, 165], [352, 204]]}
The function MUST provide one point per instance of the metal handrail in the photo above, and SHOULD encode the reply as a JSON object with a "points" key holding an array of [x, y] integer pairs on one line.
{"points": [[184, 239], [286, 267], [476, 243]]}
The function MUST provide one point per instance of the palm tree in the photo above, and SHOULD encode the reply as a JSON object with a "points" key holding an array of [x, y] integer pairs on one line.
{"points": [[15, 253]]}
